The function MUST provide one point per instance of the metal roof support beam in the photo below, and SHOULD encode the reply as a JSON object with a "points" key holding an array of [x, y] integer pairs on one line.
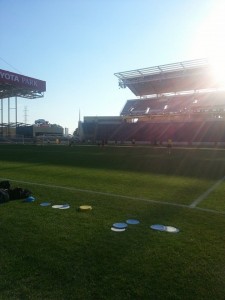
{"points": [[8, 116], [1, 110], [1, 116], [16, 109]]}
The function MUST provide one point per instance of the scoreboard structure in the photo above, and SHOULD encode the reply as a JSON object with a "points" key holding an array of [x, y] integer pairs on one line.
{"points": [[14, 85]]}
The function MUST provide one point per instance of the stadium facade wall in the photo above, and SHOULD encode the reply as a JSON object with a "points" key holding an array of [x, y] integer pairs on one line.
{"points": [[156, 133]]}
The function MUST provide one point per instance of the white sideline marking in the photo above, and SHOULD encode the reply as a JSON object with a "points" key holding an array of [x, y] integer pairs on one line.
{"points": [[206, 193], [94, 192], [119, 196]]}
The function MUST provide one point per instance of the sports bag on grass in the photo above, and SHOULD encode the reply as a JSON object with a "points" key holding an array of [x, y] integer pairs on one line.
{"points": [[4, 196], [18, 193]]}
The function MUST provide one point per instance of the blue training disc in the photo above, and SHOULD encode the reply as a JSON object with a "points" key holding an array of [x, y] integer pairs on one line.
{"points": [[29, 199], [120, 225], [132, 221], [45, 204], [158, 227], [65, 206]]}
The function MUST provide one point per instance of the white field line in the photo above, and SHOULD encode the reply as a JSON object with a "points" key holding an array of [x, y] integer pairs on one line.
{"points": [[206, 193], [115, 195]]}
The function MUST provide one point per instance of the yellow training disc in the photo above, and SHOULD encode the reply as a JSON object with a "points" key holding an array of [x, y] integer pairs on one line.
{"points": [[85, 207]]}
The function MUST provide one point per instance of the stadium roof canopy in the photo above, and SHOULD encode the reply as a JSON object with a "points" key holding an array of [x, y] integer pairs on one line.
{"points": [[17, 85], [13, 125], [170, 78]]}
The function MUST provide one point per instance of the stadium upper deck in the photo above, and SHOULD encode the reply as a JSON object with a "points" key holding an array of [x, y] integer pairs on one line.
{"points": [[170, 78], [175, 104]]}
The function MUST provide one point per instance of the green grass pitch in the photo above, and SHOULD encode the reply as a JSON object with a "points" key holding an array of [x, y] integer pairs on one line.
{"points": [[56, 254]]}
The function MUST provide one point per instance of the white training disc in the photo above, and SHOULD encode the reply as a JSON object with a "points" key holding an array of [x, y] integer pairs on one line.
{"points": [[132, 221], [120, 225], [158, 227], [64, 207], [171, 229], [117, 229], [57, 206]]}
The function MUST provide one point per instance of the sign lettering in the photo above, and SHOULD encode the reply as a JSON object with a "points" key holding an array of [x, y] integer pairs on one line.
{"points": [[22, 81]]}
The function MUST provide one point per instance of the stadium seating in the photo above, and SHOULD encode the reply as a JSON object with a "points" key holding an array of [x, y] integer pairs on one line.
{"points": [[184, 118]]}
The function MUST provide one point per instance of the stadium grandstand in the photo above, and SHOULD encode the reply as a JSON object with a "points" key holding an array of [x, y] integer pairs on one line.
{"points": [[183, 102]]}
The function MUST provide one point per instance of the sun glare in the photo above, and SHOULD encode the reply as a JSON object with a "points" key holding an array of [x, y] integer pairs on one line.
{"points": [[210, 42], [217, 66]]}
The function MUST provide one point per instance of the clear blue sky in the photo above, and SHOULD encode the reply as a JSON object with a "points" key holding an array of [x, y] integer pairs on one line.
{"points": [[76, 46]]}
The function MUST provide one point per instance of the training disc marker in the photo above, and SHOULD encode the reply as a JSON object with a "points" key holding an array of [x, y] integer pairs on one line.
{"points": [[45, 204], [120, 225], [85, 208], [118, 229], [66, 206], [171, 229], [29, 199], [158, 227], [57, 206], [132, 221]]}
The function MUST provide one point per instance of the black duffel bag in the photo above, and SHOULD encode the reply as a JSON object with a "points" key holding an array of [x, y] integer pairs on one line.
{"points": [[4, 196]]}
